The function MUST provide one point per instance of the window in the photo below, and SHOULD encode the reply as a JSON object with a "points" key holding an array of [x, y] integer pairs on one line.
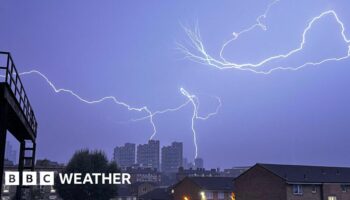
{"points": [[314, 189], [332, 198], [221, 195], [209, 195], [344, 188], [297, 189]]}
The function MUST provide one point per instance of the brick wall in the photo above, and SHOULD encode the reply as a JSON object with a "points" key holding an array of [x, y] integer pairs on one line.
{"points": [[307, 193], [260, 184], [335, 190], [186, 188]]}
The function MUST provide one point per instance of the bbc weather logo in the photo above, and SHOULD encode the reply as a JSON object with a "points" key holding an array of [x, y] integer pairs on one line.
{"points": [[48, 178]]}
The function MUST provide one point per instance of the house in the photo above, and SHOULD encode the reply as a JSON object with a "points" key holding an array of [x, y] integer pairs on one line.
{"points": [[293, 182], [124, 193], [204, 188], [141, 188], [157, 194]]}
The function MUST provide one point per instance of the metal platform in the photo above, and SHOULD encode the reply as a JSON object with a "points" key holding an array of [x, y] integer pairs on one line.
{"points": [[16, 116]]}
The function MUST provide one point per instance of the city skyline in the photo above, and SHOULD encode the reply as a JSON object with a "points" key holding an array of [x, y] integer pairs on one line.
{"points": [[128, 50]]}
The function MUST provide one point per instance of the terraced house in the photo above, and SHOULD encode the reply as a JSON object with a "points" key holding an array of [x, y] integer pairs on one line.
{"points": [[293, 182]]}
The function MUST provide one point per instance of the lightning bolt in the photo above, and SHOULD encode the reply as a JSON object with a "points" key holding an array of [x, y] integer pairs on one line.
{"points": [[199, 53], [149, 114], [195, 102]]}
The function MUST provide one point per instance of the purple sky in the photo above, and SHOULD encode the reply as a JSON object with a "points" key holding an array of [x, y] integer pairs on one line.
{"points": [[128, 49]]}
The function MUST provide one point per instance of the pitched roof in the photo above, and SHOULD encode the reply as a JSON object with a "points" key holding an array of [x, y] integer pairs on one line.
{"points": [[214, 183], [156, 194], [309, 174]]}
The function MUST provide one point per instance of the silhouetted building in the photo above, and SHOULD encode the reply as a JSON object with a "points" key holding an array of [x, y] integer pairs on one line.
{"points": [[161, 193], [172, 157], [143, 175], [234, 171], [285, 182], [124, 193], [47, 163], [148, 154], [186, 164], [199, 188], [199, 172], [198, 163], [125, 155]]}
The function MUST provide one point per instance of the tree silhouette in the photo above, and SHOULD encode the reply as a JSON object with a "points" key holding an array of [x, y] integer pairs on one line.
{"points": [[85, 161]]}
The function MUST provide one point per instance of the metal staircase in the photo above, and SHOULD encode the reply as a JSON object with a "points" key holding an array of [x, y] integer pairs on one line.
{"points": [[17, 117]]}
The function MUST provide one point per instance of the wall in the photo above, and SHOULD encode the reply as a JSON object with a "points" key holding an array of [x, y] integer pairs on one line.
{"points": [[259, 184]]}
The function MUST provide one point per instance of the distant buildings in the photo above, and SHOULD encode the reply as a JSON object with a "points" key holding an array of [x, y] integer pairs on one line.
{"points": [[125, 155], [186, 164], [234, 171], [148, 155], [198, 163], [199, 172], [285, 182], [172, 157], [143, 175]]}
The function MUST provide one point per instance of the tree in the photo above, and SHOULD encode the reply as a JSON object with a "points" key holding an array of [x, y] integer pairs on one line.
{"points": [[85, 161]]}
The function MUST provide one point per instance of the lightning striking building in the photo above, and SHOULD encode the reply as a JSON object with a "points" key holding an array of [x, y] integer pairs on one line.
{"points": [[172, 157], [148, 155], [125, 155]]}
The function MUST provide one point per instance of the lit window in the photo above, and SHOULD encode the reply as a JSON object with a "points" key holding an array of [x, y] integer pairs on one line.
{"points": [[332, 198], [297, 189], [221, 195]]}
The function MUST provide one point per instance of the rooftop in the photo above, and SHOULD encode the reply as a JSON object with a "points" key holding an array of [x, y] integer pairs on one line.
{"points": [[309, 174]]}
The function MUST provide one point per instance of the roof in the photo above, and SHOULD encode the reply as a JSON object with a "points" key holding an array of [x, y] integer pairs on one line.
{"points": [[309, 174], [124, 192], [156, 194], [214, 183]]}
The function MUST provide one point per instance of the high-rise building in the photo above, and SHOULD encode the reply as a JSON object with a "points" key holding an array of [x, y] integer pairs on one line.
{"points": [[148, 154], [172, 157], [125, 155], [10, 153], [198, 163]]}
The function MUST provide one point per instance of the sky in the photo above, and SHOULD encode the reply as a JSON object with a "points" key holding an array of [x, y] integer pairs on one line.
{"points": [[128, 49]]}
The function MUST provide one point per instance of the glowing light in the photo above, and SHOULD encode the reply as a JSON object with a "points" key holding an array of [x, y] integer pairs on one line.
{"points": [[200, 54], [195, 102], [233, 196], [203, 197]]}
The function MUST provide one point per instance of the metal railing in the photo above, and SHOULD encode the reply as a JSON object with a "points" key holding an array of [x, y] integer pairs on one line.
{"points": [[14, 82]]}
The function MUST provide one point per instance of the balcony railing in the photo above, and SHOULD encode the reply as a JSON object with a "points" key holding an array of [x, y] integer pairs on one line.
{"points": [[11, 76]]}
